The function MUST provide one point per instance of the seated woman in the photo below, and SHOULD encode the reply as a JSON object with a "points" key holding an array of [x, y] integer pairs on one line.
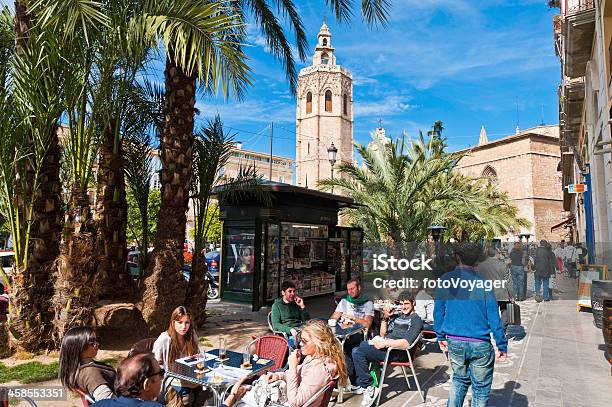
{"points": [[78, 370], [324, 361], [178, 341]]}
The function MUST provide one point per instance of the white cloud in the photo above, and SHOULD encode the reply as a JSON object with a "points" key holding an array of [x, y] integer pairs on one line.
{"points": [[388, 105]]}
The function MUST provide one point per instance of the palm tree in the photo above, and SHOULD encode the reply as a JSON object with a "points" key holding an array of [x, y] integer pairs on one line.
{"points": [[29, 165], [405, 186], [212, 150], [145, 117]]}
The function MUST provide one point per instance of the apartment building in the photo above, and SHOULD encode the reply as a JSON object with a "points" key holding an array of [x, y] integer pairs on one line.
{"points": [[583, 42]]}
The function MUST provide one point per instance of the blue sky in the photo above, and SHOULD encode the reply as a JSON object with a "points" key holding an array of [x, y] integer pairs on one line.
{"points": [[467, 63]]}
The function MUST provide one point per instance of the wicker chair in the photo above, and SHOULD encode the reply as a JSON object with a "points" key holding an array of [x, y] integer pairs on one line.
{"points": [[272, 328]]}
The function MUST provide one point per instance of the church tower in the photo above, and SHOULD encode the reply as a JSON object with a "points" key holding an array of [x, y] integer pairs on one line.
{"points": [[324, 115]]}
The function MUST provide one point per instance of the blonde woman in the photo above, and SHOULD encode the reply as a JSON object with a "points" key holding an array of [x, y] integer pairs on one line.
{"points": [[324, 361]]}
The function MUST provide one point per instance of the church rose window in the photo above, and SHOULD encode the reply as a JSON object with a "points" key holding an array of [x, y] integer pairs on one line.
{"points": [[324, 58], [309, 102], [328, 101], [344, 104]]}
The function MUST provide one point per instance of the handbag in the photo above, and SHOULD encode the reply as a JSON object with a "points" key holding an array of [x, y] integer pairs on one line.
{"points": [[266, 394], [514, 313]]}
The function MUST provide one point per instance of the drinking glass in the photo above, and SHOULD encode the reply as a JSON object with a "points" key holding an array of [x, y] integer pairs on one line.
{"points": [[246, 358], [222, 352]]}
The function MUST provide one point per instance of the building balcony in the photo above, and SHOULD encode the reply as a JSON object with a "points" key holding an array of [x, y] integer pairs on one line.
{"points": [[577, 29], [571, 99]]}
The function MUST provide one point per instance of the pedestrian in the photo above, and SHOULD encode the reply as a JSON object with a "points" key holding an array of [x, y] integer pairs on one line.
{"points": [[464, 319], [571, 258], [544, 268], [495, 270], [517, 269]]}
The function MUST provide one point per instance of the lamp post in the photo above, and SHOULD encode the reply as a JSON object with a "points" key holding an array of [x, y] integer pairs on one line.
{"points": [[436, 233], [331, 156]]}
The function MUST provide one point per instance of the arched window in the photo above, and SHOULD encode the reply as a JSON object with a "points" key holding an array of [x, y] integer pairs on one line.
{"points": [[325, 42], [489, 172], [324, 58], [309, 102], [344, 104], [328, 101]]}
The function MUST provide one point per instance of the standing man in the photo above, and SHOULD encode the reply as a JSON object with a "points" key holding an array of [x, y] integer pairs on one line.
{"points": [[355, 308], [517, 270], [495, 270], [544, 265], [464, 320], [571, 258], [289, 312]]}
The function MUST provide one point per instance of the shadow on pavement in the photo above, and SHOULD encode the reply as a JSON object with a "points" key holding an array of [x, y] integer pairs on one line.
{"points": [[508, 396]]}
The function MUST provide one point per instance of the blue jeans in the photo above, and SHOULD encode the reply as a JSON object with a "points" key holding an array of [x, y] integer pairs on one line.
{"points": [[518, 280], [541, 281], [472, 364], [363, 355]]}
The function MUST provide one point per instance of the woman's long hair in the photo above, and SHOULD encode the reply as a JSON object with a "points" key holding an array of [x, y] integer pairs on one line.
{"points": [[191, 345], [75, 341], [327, 346]]}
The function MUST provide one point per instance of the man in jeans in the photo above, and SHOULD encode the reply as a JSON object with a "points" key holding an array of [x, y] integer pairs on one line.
{"points": [[397, 330], [517, 269], [463, 320]]}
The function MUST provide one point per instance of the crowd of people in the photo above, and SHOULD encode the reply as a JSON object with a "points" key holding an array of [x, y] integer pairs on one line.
{"points": [[461, 320]]}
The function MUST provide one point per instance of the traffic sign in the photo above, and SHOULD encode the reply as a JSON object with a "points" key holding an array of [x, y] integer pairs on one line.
{"points": [[576, 188]]}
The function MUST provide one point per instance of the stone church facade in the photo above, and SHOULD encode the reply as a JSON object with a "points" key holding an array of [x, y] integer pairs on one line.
{"points": [[324, 114], [524, 165]]}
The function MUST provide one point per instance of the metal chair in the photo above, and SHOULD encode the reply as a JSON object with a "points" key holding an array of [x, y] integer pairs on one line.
{"points": [[403, 365], [85, 398], [326, 390], [142, 346], [271, 347], [272, 328]]}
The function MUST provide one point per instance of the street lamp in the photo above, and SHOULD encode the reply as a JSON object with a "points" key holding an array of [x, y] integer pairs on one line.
{"points": [[331, 156], [436, 232]]}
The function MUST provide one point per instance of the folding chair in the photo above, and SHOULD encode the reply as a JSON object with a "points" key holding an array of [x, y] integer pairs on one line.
{"points": [[271, 347], [85, 398], [403, 365], [272, 328]]}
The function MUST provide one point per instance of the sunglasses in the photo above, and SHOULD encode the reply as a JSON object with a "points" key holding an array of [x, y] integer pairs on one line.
{"points": [[161, 372]]}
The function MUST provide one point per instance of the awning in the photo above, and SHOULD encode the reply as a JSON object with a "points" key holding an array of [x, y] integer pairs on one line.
{"points": [[564, 223]]}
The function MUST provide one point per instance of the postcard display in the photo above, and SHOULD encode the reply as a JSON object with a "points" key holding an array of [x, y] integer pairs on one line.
{"points": [[299, 254]]}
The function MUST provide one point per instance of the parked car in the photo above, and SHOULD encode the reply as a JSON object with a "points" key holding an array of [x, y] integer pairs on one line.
{"points": [[6, 262], [213, 259], [132, 265]]}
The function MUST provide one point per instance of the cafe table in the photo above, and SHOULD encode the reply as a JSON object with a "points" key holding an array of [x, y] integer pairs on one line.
{"points": [[220, 379]]}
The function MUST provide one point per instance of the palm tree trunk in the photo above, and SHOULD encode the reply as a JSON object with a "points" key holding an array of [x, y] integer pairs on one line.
{"points": [[76, 286], [111, 216], [197, 288], [32, 288], [165, 286], [31, 318]]}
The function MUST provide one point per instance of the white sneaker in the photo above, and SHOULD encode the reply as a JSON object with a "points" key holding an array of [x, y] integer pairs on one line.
{"points": [[353, 389], [369, 396]]}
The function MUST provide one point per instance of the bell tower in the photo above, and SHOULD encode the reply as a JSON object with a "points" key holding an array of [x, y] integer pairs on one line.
{"points": [[324, 114]]}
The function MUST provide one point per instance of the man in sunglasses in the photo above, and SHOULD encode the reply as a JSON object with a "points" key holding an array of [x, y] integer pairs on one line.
{"points": [[138, 383]]}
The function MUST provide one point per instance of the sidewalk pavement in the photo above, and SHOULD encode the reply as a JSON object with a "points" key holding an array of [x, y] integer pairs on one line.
{"points": [[555, 359]]}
